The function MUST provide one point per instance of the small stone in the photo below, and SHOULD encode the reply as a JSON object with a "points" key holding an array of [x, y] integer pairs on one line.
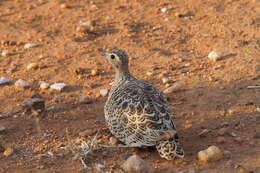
{"points": [[214, 56], [136, 164], [212, 153], [221, 140], [58, 86], [32, 66], [30, 45], [89, 24], [204, 132], [100, 167], [258, 109], [4, 80], [86, 133], [44, 85], [113, 141], [233, 134], [63, 6], [22, 83], [8, 152], [103, 92], [174, 88], [165, 80], [183, 70], [163, 10], [222, 131], [5, 53], [2, 128], [227, 154], [149, 73], [85, 99], [94, 72], [188, 124]]}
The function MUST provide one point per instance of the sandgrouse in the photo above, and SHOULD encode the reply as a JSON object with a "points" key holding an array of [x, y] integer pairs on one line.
{"points": [[137, 113]]}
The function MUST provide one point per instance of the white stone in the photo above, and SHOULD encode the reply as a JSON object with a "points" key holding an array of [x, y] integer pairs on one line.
{"points": [[32, 66], [212, 153], [2, 128], [58, 86], [258, 109], [163, 10], [149, 73], [136, 164], [172, 89], [22, 83], [5, 53], [44, 85], [30, 45], [103, 92], [165, 80], [4, 80], [214, 56]]}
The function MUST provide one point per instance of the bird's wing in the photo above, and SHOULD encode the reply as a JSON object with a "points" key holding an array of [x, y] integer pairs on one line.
{"points": [[143, 115]]}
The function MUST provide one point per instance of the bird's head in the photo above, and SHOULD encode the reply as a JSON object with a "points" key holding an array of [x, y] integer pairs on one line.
{"points": [[118, 59]]}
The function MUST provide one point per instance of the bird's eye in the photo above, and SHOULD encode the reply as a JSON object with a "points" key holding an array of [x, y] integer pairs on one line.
{"points": [[112, 56]]}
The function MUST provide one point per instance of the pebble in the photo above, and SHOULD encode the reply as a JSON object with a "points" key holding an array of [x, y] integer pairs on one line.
{"points": [[5, 53], [2, 128], [212, 153], [85, 99], [100, 167], [227, 154], [233, 134], [94, 72], [113, 141], [8, 152], [103, 92], [171, 89], [149, 73], [165, 80], [204, 132], [4, 80], [22, 83], [222, 131], [30, 45], [257, 109], [136, 164], [89, 24], [163, 10], [58, 86], [63, 6], [44, 85], [214, 56], [32, 66]]}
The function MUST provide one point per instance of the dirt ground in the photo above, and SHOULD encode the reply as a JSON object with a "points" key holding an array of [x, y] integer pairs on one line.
{"points": [[173, 36]]}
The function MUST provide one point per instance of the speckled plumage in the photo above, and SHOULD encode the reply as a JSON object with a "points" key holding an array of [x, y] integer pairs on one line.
{"points": [[137, 113]]}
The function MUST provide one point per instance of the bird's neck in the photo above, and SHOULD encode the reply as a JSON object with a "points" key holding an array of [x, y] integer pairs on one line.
{"points": [[122, 75]]}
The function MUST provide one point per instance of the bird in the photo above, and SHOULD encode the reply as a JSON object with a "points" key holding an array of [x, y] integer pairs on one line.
{"points": [[137, 113]]}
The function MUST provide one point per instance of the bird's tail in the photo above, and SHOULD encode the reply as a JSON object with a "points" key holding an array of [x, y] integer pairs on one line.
{"points": [[170, 148]]}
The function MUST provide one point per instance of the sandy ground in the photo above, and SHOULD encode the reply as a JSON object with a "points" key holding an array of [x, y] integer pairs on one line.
{"points": [[213, 95]]}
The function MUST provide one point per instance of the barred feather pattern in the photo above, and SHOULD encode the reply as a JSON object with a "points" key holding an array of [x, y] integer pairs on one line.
{"points": [[137, 114]]}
